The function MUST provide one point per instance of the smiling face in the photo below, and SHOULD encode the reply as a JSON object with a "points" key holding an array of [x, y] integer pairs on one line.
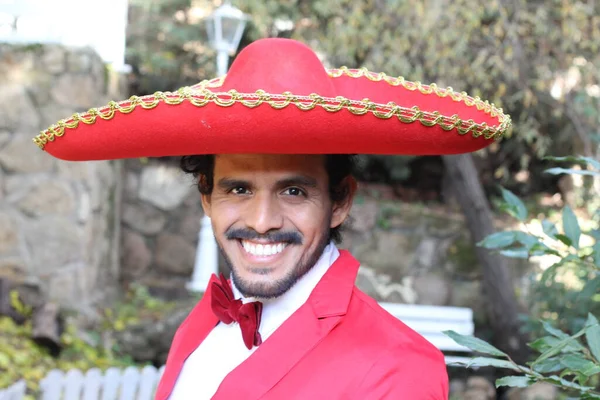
{"points": [[271, 215]]}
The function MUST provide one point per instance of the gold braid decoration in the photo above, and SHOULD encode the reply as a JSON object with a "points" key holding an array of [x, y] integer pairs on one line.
{"points": [[485, 106], [199, 96], [432, 88]]}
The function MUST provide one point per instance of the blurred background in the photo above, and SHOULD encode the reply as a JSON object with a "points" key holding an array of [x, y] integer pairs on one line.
{"points": [[101, 261]]}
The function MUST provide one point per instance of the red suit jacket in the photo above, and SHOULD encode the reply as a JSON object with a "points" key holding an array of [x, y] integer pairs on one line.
{"points": [[340, 344]]}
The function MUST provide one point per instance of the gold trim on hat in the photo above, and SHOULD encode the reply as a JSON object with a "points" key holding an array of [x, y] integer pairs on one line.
{"points": [[199, 95], [477, 102], [432, 88]]}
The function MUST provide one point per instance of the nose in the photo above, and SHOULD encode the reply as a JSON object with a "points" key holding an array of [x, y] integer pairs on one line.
{"points": [[264, 213]]}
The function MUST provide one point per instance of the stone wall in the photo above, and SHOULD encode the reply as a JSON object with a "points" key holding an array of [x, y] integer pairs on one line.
{"points": [[160, 223], [58, 226]]}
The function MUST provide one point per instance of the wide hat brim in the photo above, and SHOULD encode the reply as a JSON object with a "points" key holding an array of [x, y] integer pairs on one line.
{"points": [[279, 98]]}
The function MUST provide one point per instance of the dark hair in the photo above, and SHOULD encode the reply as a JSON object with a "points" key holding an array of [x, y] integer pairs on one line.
{"points": [[338, 167]]}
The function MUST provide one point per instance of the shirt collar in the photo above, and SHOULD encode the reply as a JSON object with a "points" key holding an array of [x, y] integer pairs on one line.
{"points": [[277, 310]]}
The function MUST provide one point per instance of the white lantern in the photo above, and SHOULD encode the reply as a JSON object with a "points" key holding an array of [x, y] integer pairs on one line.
{"points": [[225, 28]]}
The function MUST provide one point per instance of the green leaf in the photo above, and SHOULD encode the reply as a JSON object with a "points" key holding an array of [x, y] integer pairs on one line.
{"points": [[553, 331], [594, 369], [515, 206], [551, 364], [595, 233], [549, 228], [577, 363], [590, 289], [526, 239], [498, 240], [590, 396], [596, 254], [567, 384], [490, 362], [547, 342], [558, 171], [559, 347], [4, 361], [516, 253], [474, 344], [592, 336], [564, 239], [514, 381], [571, 226], [540, 249], [544, 343]]}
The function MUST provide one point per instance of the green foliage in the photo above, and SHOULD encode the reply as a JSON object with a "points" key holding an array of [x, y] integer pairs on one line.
{"points": [[137, 305], [564, 361], [22, 358], [568, 289], [568, 343], [514, 206]]}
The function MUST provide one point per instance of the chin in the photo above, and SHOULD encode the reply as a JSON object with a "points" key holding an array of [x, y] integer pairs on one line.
{"points": [[268, 269]]}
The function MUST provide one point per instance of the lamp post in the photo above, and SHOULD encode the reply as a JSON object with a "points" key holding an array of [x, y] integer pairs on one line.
{"points": [[225, 28]]}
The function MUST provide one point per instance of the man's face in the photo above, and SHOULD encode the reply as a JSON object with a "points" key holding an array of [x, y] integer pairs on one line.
{"points": [[271, 216]]}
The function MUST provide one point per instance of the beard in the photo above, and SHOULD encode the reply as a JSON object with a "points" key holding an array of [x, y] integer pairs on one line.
{"points": [[280, 286]]}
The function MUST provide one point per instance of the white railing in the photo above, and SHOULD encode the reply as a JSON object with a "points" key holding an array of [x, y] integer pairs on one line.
{"points": [[115, 384], [14, 392], [100, 25], [431, 321]]}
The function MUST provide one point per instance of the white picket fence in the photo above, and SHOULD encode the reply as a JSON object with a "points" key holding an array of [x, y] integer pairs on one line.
{"points": [[114, 384], [14, 392]]}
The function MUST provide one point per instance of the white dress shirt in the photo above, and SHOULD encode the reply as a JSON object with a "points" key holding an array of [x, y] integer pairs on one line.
{"points": [[223, 349]]}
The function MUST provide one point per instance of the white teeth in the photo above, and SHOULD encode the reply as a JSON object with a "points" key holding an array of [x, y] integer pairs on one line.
{"points": [[263, 249]]}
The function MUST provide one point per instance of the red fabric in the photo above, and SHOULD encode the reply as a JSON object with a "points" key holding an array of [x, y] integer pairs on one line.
{"points": [[277, 66], [339, 345], [228, 310]]}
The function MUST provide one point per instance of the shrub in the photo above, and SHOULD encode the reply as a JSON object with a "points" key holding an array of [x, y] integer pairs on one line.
{"points": [[22, 358], [569, 353]]}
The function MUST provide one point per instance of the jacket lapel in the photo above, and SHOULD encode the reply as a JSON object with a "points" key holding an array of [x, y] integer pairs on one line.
{"points": [[310, 324], [188, 337]]}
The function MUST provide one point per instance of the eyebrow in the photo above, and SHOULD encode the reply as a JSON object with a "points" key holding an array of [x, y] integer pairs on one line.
{"points": [[229, 183], [296, 180]]}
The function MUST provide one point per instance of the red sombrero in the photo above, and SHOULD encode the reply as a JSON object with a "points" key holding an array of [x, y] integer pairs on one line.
{"points": [[278, 98]]}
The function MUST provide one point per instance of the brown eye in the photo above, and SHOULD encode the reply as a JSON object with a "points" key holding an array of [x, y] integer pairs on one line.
{"points": [[294, 191], [239, 190]]}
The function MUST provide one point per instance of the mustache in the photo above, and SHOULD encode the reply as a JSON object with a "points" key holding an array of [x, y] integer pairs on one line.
{"points": [[291, 237]]}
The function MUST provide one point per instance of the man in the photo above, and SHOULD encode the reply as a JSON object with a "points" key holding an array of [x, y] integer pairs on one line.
{"points": [[269, 145]]}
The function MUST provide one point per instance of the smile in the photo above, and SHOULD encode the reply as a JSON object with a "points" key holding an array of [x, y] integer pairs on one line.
{"points": [[263, 249]]}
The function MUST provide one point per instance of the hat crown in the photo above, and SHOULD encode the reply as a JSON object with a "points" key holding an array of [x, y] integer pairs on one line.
{"points": [[278, 65]]}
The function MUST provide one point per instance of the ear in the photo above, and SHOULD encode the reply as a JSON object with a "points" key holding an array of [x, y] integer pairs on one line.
{"points": [[342, 209], [205, 198]]}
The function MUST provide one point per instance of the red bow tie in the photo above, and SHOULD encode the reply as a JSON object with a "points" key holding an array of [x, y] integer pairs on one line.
{"points": [[228, 310]]}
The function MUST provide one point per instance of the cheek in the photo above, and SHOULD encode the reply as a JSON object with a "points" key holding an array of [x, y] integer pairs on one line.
{"points": [[224, 216], [310, 220]]}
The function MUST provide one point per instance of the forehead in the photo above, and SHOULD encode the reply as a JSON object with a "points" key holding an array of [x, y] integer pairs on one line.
{"points": [[269, 164]]}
